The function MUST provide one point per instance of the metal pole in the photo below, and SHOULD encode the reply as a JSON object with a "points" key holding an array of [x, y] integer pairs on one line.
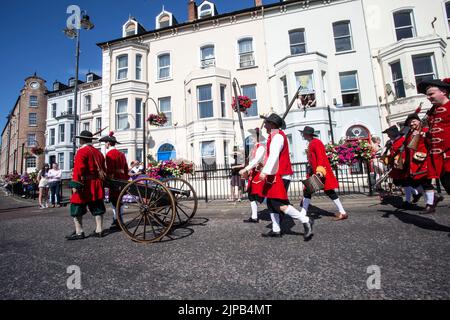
{"points": [[241, 124], [75, 99], [21, 163], [144, 138], [9, 144], [330, 123]]}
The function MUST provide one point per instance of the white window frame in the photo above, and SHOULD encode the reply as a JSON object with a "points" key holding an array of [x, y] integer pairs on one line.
{"points": [[254, 100], [206, 13], [412, 26], [433, 65], [213, 155], [350, 35], [54, 109], [34, 103], [89, 78], [60, 160], [223, 98], [52, 137], [204, 101], [167, 113], [350, 91], [246, 54], [138, 115], [86, 126], [120, 116], [284, 88], [297, 44], [207, 62], [119, 69], [444, 5], [98, 124], [35, 123], [31, 142], [61, 133], [30, 162], [69, 106], [394, 81], [87, 106], [169, 67], [138, 70]]}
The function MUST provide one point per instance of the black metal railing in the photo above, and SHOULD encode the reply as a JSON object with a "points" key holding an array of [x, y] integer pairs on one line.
{"points": [[214, 183]]}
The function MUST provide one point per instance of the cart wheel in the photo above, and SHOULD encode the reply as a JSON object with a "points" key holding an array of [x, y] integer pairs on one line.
{"points": [[147, 210], [185, 200]]}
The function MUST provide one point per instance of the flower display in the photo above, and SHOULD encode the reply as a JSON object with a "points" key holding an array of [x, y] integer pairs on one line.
{"points": [[349, 152], [170, 168], [157, 120], [37, 150], [244, 104]]}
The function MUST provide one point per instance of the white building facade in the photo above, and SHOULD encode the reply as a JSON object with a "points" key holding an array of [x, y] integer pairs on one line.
{"points": [[408, 40], [60, 119]]}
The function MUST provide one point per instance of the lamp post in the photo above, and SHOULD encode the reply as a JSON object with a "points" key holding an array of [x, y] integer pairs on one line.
{"points": [[10, 116], [144, 131], [72, 31]]}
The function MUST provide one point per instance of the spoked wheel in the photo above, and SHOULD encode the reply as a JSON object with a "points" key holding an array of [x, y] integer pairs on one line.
{"points": [[185, 200], [146, 210]]}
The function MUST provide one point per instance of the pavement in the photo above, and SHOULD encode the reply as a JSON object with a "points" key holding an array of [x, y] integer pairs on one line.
{"points": [[380, 252]]}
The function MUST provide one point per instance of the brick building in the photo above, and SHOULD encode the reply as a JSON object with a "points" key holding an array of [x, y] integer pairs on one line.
{"points": [[25, 129]]}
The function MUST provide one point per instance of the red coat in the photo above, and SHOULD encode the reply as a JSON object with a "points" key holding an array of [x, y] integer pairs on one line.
{"points": [[318, 161], [417, 169], [273, 186], [116, 168], [397, 174], [439, 134], [85, 171]]}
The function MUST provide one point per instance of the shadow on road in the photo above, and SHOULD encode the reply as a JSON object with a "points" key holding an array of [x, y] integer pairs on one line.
{"points": [[18, 208], [418, 221]]}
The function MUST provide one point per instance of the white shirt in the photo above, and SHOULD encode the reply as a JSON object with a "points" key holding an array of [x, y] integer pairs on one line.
{"points": [[271, 167], [54, 175], [259, 157]]}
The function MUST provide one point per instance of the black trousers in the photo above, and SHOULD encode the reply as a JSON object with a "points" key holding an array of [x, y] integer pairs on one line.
{"points": [[425, 183], [274, 204], [445, 181], [330, 193]]}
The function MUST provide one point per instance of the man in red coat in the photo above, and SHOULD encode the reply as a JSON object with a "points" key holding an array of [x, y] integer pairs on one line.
{"points": [[437, 92], [320, 165], [87, 186], [116, 168], [275, 177]]}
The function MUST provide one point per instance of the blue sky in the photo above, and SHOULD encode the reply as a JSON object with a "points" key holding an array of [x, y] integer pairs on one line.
{"points": [[33, 41]]}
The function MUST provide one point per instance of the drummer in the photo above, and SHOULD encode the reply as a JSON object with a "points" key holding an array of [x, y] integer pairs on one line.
{"points": [[319, 164]]}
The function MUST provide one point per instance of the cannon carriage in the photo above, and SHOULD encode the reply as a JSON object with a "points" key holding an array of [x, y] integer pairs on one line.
{"points": [[148, 209]]}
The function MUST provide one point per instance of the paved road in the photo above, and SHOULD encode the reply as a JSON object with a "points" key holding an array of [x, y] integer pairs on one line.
{"points": [[219, 257]]}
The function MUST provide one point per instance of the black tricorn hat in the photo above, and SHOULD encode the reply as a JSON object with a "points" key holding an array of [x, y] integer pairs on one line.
{"points": [[109, 138], [275, 119], [410, 117], [308, 130], [392, 130], [87, 135], [441, 84]]}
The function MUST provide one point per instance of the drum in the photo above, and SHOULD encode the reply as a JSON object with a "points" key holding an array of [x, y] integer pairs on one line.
{"points": [[313, 184]]}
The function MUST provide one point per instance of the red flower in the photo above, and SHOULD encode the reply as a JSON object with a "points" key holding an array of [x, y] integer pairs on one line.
{"points": [[244, 103], [111, 133], [446, 80]]}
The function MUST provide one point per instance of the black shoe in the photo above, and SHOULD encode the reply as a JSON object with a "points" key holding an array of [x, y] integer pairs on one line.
{"points": [[272, 234], [437, 198], [308, 227], [416, 198], [251, 220], [96, 234], [75, 236], [428, 209], [406, 205]]}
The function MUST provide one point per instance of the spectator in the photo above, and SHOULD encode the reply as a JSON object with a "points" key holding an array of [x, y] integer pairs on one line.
{"points": [[378, 166], [54, 183], [237, 183], [43, 186], [311, 101], [134, 171]]}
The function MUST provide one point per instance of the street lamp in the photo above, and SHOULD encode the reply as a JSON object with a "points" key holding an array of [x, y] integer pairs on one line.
{"points": [[72, 32]]}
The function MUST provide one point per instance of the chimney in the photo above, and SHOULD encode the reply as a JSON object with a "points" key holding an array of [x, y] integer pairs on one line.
{"points": [[192, 11], [258, 3]]}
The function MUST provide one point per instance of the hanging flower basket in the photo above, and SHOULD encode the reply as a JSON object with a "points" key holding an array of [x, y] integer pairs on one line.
{"points": [[167, 169], [157, 120], [244, 104], [349, 152], [37, 151]]}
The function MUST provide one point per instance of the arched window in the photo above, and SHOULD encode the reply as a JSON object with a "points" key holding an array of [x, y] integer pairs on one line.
{"points": [[166, 152], [205, 10], [130, 29], [164, 21], [357, 132]]}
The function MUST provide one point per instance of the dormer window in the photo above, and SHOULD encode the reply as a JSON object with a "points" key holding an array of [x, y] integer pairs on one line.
{"points": [[164, 21], [71, 82], [130, 29], [56, 86], [206, 9], [89, 78]]}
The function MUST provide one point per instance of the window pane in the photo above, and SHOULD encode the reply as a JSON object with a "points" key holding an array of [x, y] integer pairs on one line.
{"points": [[402, 19], [396, 71], [404, 33], [250, 91], [204, 93], [422, 64], [138, 113], [206, 109], [296, 37], [343, 44], [341, 29], [122, 122], [350, 99], [305, 80], [208, 149], [348, 82], [245, 46], [122, 62], [208, 52], [298, 49], [121, 106], [165, 106], [164, 60]]}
